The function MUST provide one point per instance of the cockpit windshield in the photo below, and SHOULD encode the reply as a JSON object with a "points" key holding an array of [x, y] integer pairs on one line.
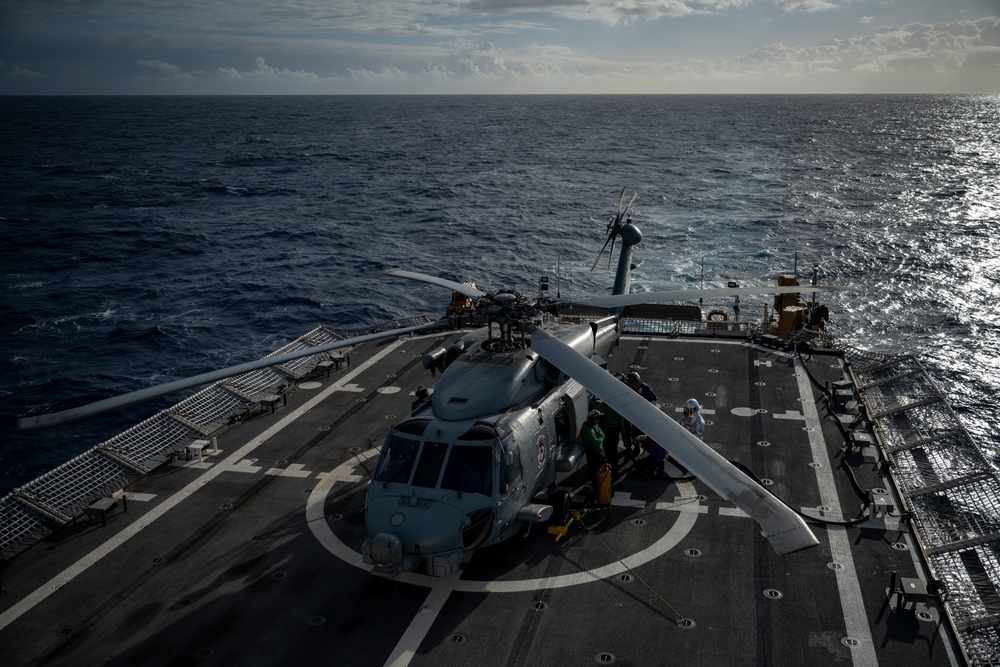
{"points": [[429, 465], [397, 462], [469, 470], [465, 467]]}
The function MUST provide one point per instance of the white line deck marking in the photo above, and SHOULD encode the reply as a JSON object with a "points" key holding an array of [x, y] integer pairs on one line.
{"points": [[408, 644], [246, 465], [293, 470], [315, 513], [683, 506], [421, 624], [855, 618]]}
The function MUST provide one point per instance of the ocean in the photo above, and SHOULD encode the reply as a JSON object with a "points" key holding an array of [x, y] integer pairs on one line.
{"points": [[147, 239]]}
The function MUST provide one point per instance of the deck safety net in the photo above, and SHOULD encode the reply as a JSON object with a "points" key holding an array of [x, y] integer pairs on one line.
{"points": [[58, 497], [947, 487]]}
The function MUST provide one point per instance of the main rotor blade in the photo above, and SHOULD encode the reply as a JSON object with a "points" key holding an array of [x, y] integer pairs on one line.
{"points": [[471, 292], [617, 300], [784, 528], [140, 395]]}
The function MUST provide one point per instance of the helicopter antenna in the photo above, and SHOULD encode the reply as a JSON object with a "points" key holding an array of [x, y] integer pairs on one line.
{"points": [[558, 280], [700, 300]]}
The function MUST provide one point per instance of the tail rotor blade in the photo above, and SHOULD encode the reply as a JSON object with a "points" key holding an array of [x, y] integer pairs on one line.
{"points": [[613, 227], [631, 201], [609, 239]]}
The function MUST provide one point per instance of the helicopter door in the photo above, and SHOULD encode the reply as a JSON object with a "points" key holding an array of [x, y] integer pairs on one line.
{"points": [[569, 450], [562, 424]]}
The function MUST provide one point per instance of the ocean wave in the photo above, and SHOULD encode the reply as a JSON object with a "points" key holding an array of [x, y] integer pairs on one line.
{"points": [[212, 238]]}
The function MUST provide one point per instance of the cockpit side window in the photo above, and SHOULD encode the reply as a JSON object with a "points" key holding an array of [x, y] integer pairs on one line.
{"points": [[429, 466], [398, 460], [469, 470]]}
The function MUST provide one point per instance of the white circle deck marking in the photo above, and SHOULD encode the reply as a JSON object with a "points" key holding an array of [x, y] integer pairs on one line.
{"points": [[316, 518]]}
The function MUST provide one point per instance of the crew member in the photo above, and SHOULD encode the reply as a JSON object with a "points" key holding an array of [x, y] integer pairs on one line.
{"points": [[643, 389], [653, 464], [633, 380], [692, 419], [612, 424], [421, 395], [593, 444]]}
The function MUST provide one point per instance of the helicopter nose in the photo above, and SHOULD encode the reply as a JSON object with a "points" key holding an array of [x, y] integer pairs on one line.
{"points": [[423, 527], [403, 531]]}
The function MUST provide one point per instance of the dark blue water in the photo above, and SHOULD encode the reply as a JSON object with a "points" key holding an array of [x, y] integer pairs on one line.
{"points": [[147, 239]]}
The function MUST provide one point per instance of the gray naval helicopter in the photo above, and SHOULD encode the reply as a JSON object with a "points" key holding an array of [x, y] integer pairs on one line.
{"points": [[479, 460]]}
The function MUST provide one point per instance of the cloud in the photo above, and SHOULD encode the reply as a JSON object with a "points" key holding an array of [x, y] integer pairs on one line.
{"points": [[892, 58], [267, 74], [160, 66], [609, 12], [335, 46], [20, 71], [804, 5], [913, 50]]}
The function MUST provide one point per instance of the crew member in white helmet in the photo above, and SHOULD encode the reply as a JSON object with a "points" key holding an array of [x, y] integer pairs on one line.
{"points": [[692, 419]]}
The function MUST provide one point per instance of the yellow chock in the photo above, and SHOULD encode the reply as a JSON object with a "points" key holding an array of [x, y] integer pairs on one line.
{"points": [[560, 531]]}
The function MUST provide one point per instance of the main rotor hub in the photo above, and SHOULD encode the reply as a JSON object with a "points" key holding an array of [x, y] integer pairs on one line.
{"points": [[508, 315]]}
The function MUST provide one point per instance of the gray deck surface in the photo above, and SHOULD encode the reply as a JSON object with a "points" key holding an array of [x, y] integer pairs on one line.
{"points": [[253, 556]]}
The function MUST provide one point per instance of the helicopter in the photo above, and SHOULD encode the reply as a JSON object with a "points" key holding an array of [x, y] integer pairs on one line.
{"points": [[470, 467]]}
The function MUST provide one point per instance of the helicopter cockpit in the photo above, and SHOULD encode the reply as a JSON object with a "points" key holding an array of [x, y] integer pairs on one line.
{"points": [[435, 494], [464, 466]]}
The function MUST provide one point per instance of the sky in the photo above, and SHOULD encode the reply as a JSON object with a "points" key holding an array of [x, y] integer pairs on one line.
{"points": [[280, 47]]}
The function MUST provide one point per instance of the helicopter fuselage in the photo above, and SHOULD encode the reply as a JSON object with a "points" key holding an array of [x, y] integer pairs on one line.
{"points": [[464, 471]]}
